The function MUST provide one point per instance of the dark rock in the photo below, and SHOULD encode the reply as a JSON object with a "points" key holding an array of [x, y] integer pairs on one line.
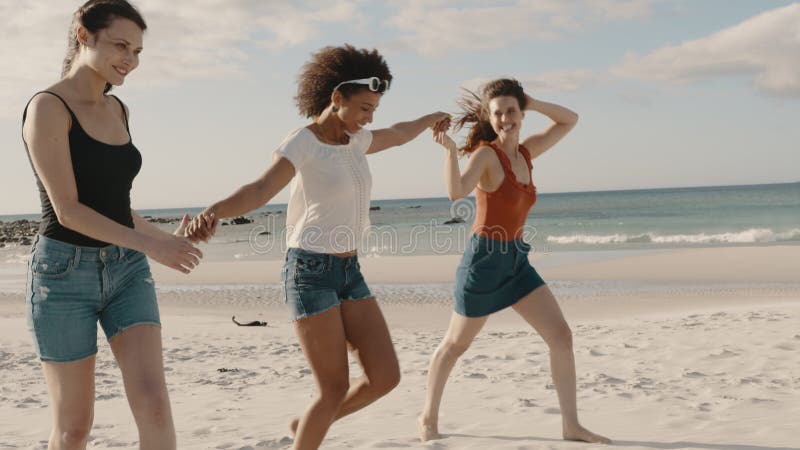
{"points": [[374, 208], [454, 220], [25, 241], [163, 219], [241, 220]]}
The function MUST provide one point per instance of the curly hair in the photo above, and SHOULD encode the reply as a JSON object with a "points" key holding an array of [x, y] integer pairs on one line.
{"points": [[96, 15], [475, 110], [329, 67]]}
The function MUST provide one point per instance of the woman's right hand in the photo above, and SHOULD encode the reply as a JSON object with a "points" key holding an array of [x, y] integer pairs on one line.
{"points": [[442, 138], [175, 252]]}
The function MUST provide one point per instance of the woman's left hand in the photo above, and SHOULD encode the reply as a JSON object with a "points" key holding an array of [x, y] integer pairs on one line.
{"points": [[181, 230]]}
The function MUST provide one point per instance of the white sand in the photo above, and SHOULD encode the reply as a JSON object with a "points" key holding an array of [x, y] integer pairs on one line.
{"points": [[709, 359]]}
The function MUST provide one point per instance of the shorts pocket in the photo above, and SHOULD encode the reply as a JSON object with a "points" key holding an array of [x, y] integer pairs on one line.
{"points": [[309, 265], [50, 266]]}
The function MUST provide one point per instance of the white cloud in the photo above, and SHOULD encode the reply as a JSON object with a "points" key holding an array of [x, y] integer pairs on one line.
{"points": [[765, 47], [434, 27], [186, 39], [549, 82]]}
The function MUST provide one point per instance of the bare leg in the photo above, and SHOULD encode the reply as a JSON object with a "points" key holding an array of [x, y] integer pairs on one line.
{"points": [[371, 344], [71, 388], [140, 358], [322, 339], [541, 311], [459, 336]]}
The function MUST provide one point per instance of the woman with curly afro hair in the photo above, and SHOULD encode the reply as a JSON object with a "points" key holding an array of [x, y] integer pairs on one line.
{"points": [[495, 272], [331, 305]]}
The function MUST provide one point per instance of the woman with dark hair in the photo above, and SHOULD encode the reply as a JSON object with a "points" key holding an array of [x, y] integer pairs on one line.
{"points": [[494, 272], [88, 260], [328, 214]]}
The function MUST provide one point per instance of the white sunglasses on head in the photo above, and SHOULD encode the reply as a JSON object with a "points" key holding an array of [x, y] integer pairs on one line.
{"points": [[374, 84]]}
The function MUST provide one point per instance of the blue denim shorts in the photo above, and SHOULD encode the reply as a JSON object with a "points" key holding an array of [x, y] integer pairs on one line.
{"points": [[315, 282], [70, 288]]}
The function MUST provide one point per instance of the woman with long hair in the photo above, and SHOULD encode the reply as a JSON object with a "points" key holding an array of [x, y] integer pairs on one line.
{"points": [[331, 305], [88, 260], [494, 272]]}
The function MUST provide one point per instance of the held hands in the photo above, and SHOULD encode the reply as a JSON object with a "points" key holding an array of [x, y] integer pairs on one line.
{"points": [[440, 121], [441, 124], [442, 138], [203, 226], [175, 251]]}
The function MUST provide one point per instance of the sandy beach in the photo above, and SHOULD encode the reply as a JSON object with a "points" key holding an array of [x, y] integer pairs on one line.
{"points": [[675, 349]]}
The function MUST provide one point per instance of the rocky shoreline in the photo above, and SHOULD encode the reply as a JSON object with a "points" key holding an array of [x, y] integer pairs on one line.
{"points": [[19, 232], [22, 232]]}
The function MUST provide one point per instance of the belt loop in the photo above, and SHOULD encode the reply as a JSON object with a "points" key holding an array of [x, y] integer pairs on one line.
{"points": [[77, 259], [121, 254]]}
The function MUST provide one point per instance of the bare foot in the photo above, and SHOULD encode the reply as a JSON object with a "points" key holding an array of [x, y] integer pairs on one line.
{"points": [[293, 426], [427, 431], [583, 435]]}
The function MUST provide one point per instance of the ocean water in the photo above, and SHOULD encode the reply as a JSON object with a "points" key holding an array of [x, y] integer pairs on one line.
{"points": [[566, 228], [565, 222]]}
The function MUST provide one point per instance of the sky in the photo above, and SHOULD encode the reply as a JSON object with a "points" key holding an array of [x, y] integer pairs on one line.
{"points": [[669, 93]]}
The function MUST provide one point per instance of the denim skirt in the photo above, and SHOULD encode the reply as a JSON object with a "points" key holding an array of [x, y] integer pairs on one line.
{"points": [[493, 275]]}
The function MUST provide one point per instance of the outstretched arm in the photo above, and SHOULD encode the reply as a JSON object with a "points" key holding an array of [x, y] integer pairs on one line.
{"points": [[564, 119], [402, 132], [247, 198]]}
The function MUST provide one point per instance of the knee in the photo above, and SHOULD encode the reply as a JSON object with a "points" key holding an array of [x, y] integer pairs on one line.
{"points": [[450, 349], [150, 402], [74, 436], [561, 339], [387, 379], [333, 392]]}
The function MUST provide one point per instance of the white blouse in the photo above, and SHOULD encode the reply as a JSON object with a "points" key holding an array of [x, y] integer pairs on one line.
{"points": [[328, 208]]}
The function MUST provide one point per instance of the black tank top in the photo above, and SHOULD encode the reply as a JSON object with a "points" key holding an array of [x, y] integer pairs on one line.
{"points": [[104, 175]]}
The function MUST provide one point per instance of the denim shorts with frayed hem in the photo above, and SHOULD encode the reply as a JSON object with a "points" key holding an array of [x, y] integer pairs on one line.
{"points": [[71, 288], [315, 282]]}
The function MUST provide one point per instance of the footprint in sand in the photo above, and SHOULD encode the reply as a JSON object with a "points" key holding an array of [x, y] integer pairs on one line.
{"points": [[205, 431], [551, 411], [694, 375], [705, 407], [722, 355], [28, 402], [275, 443], [526, 403], [750, 380], [475, 375], [608, 379]]}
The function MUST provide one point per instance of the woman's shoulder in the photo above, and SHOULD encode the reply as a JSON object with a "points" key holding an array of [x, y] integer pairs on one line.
{"points": [[46, 108], [299, 137]]}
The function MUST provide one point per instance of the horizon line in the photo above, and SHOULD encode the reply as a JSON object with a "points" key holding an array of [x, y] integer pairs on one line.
{"points": [[443, 197]]}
